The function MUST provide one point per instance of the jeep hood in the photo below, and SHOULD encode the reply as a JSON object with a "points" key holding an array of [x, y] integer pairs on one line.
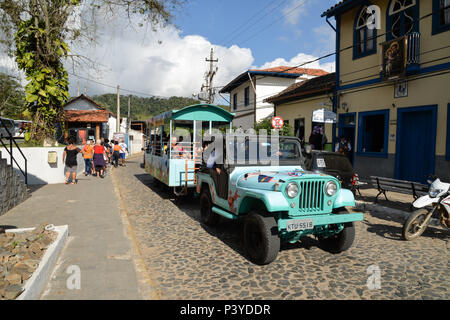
{"points": [[266, 180]]}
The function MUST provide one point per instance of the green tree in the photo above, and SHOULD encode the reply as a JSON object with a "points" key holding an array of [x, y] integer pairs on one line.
{"points": [[12, 97], [143, 108], [37, 34], [267, 125]]}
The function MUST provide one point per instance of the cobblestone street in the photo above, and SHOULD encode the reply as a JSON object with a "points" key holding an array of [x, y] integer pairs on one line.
{"points": [[188, 260]]}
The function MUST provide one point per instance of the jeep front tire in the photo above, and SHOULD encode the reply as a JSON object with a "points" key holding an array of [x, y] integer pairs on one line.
{"points": [[339, 242], [261, 239]]}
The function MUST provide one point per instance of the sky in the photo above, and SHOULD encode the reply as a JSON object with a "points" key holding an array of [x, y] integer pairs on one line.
{"points": [[171, 60]]}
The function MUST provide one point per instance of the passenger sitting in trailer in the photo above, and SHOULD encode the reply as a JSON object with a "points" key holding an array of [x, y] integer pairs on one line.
{"points": [[178, 152]]}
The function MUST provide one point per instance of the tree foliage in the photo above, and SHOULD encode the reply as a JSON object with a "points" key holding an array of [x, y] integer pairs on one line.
{"points": [[37, 34], [267, 125], [12, 97], [142, 108]]}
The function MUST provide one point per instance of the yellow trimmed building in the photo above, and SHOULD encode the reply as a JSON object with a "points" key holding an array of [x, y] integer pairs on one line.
{"points": [[392, 93], [296, 104]]}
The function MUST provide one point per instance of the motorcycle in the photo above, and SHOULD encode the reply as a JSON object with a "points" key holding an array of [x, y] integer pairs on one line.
{"points": [[439, 198]]}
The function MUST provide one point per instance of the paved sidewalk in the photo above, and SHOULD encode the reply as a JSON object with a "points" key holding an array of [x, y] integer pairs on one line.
{"points": [[98, 241], [398, 201]]}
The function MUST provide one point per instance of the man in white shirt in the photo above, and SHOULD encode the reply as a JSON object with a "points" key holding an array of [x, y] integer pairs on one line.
{"points": [[123, 152]]}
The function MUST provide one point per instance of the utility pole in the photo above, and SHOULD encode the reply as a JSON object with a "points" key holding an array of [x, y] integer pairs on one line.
{"points": [[118, 110], [128, 118], [210, 76]]}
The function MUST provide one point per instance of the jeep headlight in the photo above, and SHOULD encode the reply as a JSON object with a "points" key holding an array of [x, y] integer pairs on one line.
{"points": [[331, 188], [292, 190]]}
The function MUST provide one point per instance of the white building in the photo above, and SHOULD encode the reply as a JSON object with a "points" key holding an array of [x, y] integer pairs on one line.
{"points": [[249, 89]]}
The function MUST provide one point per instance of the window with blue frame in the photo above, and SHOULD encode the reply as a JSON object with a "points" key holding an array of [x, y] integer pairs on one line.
{"points": [[402, 18], [235, 101], [364, 38], [441, 16], [373, 131], [247, 96]]}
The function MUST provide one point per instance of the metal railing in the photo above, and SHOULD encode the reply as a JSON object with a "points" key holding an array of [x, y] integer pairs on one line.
{"points": [[413, 48], [10, 137]]}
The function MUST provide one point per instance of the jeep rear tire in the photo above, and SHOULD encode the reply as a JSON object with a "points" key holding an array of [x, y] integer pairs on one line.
{"points": [[207, 216], [261, 238], [339, 242]]}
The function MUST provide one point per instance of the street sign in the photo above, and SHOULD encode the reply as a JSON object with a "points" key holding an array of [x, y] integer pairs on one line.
{"points": [[277, 122], [324, 116]]}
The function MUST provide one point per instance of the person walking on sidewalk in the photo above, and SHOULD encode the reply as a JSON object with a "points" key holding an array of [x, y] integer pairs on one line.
{"points": [[99, 158], [88, 149], [123, 152], [108, 151], [70, 160], [116, 153]]}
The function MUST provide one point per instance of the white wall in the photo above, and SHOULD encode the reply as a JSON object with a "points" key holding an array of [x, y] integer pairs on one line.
{"points": [[246, 121], [112, 127], [265, 88], [39, 170], [137, 143]]}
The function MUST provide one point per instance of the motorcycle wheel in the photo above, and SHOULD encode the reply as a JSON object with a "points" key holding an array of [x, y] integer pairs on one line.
{"points": [[415, 224]]}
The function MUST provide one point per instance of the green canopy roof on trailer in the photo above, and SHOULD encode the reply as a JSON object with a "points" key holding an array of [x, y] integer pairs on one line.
{"points": [[198, 112]]}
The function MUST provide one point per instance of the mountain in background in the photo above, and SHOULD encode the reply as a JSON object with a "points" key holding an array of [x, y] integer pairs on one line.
{"points": [[142, 108]]}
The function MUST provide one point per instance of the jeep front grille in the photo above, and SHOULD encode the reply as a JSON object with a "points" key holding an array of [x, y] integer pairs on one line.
{"points": [[311, 197]]}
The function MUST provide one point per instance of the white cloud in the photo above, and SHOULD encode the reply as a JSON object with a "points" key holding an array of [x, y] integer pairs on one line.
{"points": [[294, 11], [164, 63]]}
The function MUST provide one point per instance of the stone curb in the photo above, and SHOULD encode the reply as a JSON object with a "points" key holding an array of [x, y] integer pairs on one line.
{"points": [[38, 281], [363, 205]]}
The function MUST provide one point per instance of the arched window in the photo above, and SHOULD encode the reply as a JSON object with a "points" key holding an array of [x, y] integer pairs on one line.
{"points": [[402, 18], [441, 16], [364, 39]]}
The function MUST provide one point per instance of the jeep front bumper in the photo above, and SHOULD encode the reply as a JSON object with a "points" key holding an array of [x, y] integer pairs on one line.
{"points": [[324, 219]]}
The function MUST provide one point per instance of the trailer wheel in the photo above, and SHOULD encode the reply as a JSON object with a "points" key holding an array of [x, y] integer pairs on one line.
{"points": [[261, 238], [207, 216], [339, 242]]}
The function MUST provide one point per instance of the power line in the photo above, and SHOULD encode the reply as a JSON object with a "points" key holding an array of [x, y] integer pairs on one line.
{"points": [[275, 21], [379, 65], [377, 74], [339, 51], [249, 20], [115, 87], [389, 83]]}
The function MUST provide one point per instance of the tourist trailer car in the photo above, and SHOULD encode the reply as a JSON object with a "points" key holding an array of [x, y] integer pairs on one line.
{"points": [[172, 160], [280, 203]]}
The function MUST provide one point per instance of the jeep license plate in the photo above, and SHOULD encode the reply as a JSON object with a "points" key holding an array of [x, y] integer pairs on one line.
{"points": [[296, 225]]}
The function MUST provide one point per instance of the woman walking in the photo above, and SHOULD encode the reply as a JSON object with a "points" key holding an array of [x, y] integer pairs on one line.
{"points": [[99, 158], [116, 153], [70, 160]]}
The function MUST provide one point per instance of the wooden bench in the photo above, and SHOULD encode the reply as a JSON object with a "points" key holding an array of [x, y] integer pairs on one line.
{"points": [[383, 184]]}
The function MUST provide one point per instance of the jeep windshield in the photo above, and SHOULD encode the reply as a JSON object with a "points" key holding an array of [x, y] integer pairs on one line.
{"points": [[285, 151]]}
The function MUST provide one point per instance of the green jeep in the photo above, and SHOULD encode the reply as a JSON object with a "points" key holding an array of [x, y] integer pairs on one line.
{"points": [[279, 203]]}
